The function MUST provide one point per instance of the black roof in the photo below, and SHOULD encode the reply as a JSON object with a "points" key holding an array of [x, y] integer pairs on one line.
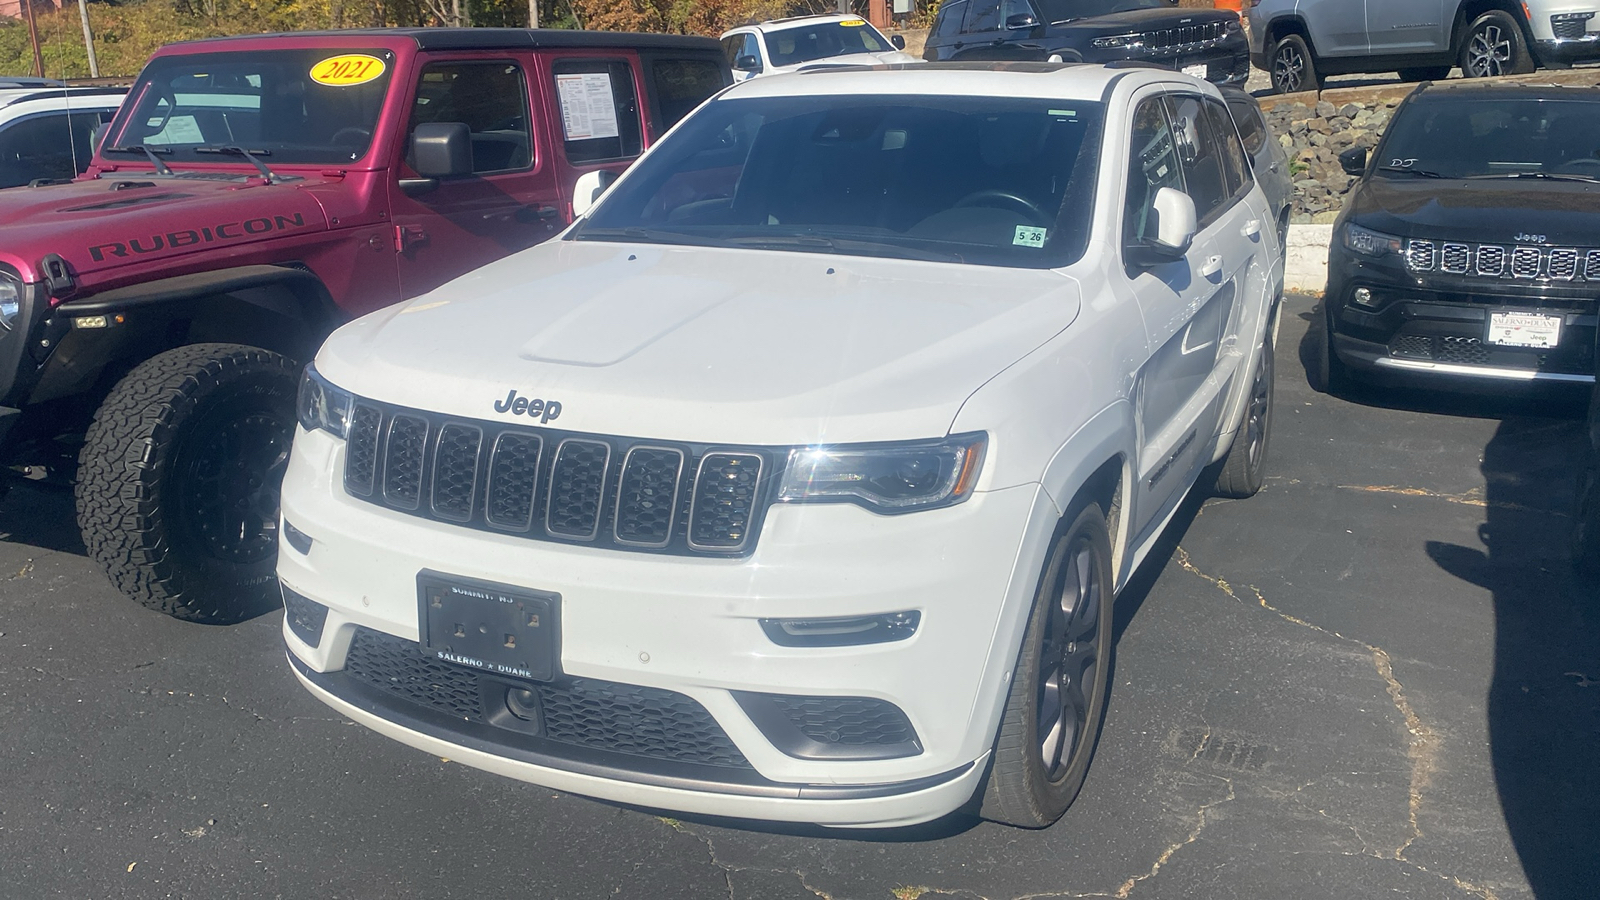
{"points": [[503, 38], [1488, 89]]}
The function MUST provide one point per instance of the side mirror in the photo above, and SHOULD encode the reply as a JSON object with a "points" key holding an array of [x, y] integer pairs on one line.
{"points": [[1176, 224], [1018, 21], [747, 63], [898, 41], [441, 149], [1354, 160], [589, 188]]}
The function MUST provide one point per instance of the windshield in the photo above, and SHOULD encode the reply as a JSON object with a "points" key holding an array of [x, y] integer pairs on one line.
{"points": [[987, 180], [1062, 10], [290, 106], [823, 39], [1460, 138]]}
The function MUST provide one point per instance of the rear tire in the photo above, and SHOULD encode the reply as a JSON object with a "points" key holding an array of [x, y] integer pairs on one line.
{"points": [[1244, 469], [1495, 46], [178, 480], [1426, 73], [1293, 68], [1058, 689]]}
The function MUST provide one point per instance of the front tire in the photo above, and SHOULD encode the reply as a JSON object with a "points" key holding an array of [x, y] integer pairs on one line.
{"points": [[1495, 46], [178, 480], [1244, 469], [1293, 69], [1328, 374], [1058, 689]]}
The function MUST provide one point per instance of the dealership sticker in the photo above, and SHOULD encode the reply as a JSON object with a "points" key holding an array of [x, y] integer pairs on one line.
{"points": [[1029, 236], [852, 23], [348, 70]]}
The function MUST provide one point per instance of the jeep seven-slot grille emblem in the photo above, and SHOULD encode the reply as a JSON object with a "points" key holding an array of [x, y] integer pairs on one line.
{"points": [[1495, 261], [548, 485]]}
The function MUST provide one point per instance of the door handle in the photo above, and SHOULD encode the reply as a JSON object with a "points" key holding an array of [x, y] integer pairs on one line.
{"points": [[530, 215], [1212, 266], [1251, 229]]}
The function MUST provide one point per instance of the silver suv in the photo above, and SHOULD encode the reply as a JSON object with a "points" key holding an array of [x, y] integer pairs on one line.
{"points": [[1301, 42]]}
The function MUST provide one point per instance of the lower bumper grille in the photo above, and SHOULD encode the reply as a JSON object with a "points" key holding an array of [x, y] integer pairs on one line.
{"points": [[582, 713]]}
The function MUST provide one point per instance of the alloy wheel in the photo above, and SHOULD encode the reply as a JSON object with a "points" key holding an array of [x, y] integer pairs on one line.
{"points": [[1489, 51], [1070, 664], [1289, 69]]}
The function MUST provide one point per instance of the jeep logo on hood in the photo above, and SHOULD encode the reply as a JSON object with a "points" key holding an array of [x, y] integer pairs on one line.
{"points": [[188, 237], [543, 410]]}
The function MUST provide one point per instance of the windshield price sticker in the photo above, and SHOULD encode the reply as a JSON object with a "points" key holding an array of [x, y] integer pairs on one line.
{"points": [[852, 23], [1029, 236], [1519, 329], [348, 70], [588, 108]]}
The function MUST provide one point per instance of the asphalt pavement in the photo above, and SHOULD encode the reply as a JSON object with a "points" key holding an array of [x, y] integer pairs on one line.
{"points": [[1377, 677]]}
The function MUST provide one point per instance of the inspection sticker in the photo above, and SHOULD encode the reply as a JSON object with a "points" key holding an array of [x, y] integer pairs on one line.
{"points": [[348, 70], [1029, 236], [852, 23]]}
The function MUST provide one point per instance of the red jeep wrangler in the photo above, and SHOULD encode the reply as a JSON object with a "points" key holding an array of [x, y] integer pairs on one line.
{"points": [[252, 194]]}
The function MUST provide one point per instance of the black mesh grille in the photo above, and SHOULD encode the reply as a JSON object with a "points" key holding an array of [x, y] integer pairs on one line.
{"points": [[725, 495], [1569, 29], [455, 471], [582, 712], [1465, 350], [1413, 346], [577, 484], [543, 484], [361, 450], [852, 721], [649, 493], [402, 461], [513, 480]]}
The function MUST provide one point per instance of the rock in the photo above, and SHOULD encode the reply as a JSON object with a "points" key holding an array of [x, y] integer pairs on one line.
{"points": [[1349, 110], [1325, 109], [1325, 218]]}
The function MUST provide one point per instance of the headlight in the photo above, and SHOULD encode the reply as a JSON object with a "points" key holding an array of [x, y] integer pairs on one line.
{"points": [[1370, 243], [887, 478], [1233, 26], [1118, 40], [322, 405], [10, 300]]}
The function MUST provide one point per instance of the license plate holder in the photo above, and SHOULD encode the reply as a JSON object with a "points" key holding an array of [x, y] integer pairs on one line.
{"points": [[1517, 328], [1198, 70], [511, 631]]}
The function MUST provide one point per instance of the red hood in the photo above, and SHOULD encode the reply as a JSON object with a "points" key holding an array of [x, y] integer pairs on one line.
{"points": [[97, 225]]}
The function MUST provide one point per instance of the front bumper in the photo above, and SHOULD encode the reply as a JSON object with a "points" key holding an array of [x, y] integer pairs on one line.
{"points": [[691, 626], [1565, 51], [1227, 60]]}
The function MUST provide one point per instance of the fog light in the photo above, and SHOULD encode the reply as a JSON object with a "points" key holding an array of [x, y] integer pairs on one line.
{"points": [[296, 538], [305, 616], [523, 703], [843, 631], [1364, 297]]}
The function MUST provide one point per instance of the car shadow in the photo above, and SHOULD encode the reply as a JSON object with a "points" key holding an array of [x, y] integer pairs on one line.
{"points": [[40, 515]]}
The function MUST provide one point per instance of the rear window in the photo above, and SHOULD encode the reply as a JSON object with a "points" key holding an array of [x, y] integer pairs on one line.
{"points": [[1251, 129], [679, 85], [599, 109]]}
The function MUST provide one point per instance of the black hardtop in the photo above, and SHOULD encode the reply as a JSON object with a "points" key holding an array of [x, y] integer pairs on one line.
{"points": [[501, 38], [1475, 89]]}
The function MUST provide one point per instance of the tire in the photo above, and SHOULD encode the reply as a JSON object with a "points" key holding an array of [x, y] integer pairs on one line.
{"points": [[1425, 73], [1292, 67], [1034, 777], [1494, 45], [178, 480], [1244, 469], [1328, 374]]}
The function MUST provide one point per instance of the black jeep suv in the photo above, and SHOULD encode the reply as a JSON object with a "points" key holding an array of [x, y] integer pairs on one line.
{"points": [[1206, 42], [1469, 250]]}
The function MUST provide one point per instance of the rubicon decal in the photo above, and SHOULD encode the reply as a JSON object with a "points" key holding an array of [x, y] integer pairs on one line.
{"points": [[533, 408], [189, 237]]}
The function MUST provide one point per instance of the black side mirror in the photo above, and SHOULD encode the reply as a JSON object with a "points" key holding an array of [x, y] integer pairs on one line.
{"points": [[747, 64], [899, 41], [1354, 160], [442, 149], [1018, 21]]}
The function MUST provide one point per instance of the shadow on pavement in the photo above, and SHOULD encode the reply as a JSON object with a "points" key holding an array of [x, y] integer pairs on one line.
{"points": [[40, 516]]}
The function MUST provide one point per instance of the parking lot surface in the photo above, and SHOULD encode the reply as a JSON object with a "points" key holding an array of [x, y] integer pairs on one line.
{"points": [[1377, 677]]}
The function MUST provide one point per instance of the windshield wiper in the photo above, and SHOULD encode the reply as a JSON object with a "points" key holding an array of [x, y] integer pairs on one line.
{"points": [[235, 150], [1553, 176], [838, 244], [649, 236], [149, 152], [1421, 173]]}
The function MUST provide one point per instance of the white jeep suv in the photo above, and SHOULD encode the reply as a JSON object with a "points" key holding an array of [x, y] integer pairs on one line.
{"points": [[788, 45], [797, 479]]}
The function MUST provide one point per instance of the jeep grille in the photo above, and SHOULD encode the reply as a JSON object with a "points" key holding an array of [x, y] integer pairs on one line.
{"points": [[1523, 263], [1183, 39]]}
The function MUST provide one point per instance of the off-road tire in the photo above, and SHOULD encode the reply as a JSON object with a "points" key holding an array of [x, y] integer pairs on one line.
{"points": [[1494, 45], [1292, 67], [149, 465], [1244, 468], [1020, 790]]}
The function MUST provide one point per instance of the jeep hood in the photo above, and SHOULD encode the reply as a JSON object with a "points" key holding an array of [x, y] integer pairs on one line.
{"points": [[706, 345], [100, 224], [1479, 210], [886, 57]]}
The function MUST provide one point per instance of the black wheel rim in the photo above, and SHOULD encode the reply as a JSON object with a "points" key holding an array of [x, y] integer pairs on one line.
{"points": [[1489, 51], [1289, 69], [1256, 418], [1069, 658], [231, 484]]}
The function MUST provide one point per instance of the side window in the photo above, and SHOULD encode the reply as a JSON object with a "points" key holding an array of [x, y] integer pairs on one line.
{"points": [[1199, 153], [491, 98], [1252, 130], [730, 48], [599, 109], [1235, 171], [1153, 165], [982, 15], [950, 16], [1010, 8], [679, 85], [42, 147]]}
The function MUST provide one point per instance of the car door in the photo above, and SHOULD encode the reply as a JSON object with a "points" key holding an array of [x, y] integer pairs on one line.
{"points": [[1338, 27], [946, 31], [1408, 26], [509, 202]]}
